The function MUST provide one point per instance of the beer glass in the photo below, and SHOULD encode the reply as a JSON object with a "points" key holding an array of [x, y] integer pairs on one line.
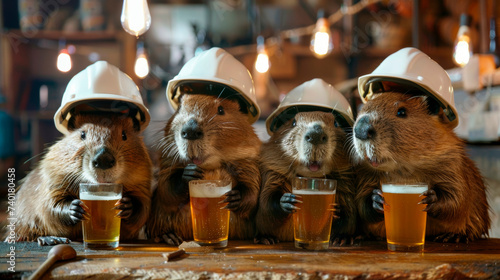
{"points": [[312, 223], [405, 219], [102, 229], [210, 222]]}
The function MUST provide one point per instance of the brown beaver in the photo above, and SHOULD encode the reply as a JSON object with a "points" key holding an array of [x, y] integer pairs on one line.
{"points": [[206, 138], [312, 144], [402, 136], [99, 148]]}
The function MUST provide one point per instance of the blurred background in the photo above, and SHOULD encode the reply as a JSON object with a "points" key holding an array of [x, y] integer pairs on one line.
{"points": [[46, 42]]}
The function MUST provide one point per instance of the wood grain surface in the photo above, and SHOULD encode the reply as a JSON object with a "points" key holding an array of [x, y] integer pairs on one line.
{"points": [[244, 260]]}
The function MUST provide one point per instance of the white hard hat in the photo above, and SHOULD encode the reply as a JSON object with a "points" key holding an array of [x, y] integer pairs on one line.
{"points": [[105, 88], [215, 72], [410, 68], [313, 95]]}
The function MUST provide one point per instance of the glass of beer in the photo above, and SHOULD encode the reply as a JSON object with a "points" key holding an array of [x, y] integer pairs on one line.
{"points": [[312, 223], [102, 229], [405, 219], [210, 222]]}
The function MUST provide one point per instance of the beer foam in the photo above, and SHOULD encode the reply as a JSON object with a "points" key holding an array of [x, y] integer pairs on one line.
{"points": [[310, 192], [100, 196], [208, 190], [413, 189]]}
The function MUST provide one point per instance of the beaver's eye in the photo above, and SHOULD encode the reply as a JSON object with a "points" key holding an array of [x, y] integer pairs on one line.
{"points": [[124, 135], [294, 122], [402, 112], [336, 124], [220, 110], [83, 135]]}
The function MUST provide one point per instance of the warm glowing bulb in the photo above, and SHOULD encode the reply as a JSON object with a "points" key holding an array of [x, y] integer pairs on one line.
{"points": [[262, 62], [141, 67], [135, 17], [463, 50], [462, 53], [321, 42], [64, 61]]}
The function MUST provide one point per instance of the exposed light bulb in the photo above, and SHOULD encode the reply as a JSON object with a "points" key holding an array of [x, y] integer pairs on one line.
{"points": [[321, 41], [135, 17], [64, 63], [141, 67], [262, 62], [462, 50]]}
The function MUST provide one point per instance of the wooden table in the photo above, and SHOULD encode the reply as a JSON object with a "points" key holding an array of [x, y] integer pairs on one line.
{"points": [[244, 260]]}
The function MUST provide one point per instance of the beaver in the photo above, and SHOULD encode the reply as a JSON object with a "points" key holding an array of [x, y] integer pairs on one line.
{"points": [[206, 138], [404, 135], [104, 148], [312, 144]]}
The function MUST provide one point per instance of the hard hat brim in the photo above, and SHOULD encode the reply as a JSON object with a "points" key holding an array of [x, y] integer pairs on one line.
{"points": [[62, 123], [366, 94], [278, 118], [174, 97]]}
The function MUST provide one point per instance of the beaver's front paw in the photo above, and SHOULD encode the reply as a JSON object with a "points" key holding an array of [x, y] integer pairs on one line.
{"points": [[77, 212], [191, 172], [288, 201], [430, 199], [171, 238], [125, 206], [233, 200], [452, 238], [265, 239], [378, 201]]}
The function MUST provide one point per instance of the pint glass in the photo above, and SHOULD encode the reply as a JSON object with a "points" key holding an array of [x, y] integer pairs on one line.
{"points": [[312, 223], [210, 222], [404, 218], [102, 229]]}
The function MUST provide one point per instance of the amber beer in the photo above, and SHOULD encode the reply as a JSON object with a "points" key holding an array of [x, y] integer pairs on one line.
{"points": [[210, 222], [313, 221], [102, 229], [404, 218]]}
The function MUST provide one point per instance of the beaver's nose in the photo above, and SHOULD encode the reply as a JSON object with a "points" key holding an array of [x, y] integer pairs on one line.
{"points": [[191, 130], [103, 159], [316, 135], [364, 129]]}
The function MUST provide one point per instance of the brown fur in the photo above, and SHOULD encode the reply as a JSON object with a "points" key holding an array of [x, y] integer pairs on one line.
{"points": [[422, 147], [281, 164], [55, 181], [229, 150]]}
